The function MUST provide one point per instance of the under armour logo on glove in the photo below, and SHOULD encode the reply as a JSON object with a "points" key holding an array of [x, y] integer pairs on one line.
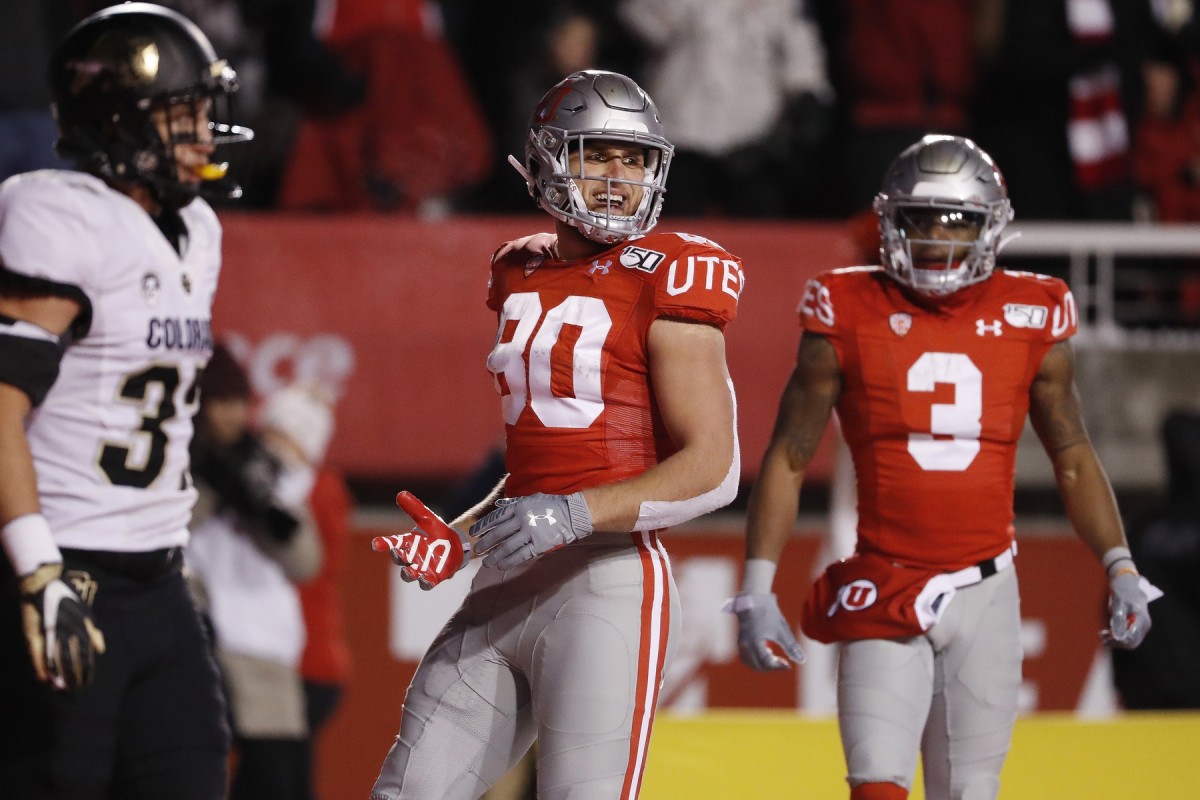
{"points": [[522, 528], [548, 518], [429, 553]]}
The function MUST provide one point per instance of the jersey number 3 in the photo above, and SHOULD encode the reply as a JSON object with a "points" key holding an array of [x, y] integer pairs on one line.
{"points": [[562, 380], [960, 420]]}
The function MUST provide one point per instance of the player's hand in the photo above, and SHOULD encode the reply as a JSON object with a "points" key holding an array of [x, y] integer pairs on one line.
{"points": [[62, 636], [536, 244], [761, 623], [522, 528], [429, 553], [1129, 610]]}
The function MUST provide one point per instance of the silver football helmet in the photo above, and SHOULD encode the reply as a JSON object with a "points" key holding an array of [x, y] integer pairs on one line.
{"points": [[588, 106], [945, 199]]}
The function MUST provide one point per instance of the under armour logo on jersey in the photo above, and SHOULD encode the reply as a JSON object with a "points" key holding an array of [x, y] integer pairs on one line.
{"points": [[598, 267], [855, 596], [982, 328], [548, 517]]}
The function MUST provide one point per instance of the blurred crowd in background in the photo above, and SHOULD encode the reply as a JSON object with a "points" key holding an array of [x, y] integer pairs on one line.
{"points": [[779, 109]]}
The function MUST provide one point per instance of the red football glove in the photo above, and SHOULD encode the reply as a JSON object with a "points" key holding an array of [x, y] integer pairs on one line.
{"points": [[429, 553]]}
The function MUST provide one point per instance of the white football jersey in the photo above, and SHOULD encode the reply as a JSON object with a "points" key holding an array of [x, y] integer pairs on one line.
{"points": [[110, 441]]}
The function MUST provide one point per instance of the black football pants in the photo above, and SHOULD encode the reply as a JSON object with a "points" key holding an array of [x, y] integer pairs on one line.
{"points": [[153, 724]]}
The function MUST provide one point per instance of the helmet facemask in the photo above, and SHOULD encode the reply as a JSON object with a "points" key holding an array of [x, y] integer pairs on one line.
{"points": [[199, 115], [562, 197], [939, 247]]}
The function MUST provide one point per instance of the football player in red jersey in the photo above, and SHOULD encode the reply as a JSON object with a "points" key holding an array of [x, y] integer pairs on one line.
{"points": [[932, 361], [619, 413]]}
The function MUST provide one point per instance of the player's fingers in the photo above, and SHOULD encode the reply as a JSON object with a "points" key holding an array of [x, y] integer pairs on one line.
{"points": [[483, 526], [420, 513], [383, 544], [96, 636], [508, 552], [791, 647], [494, 532]]}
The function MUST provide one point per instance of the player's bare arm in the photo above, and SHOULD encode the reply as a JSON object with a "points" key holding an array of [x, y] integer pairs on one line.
{"points": [[1087, 496], [63, 640], [804, 411], [1057, 417], [691, 385]]}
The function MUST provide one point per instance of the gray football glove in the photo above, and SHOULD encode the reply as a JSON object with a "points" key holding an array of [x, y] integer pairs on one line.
{"points": [[760, 623], [63, 640], [1129, 612], [522, 528]]}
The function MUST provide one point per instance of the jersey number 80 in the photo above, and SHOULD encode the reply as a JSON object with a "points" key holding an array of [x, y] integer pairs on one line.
{"points": [[521, 313]]}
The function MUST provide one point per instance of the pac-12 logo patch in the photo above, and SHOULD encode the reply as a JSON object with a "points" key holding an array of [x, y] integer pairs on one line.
{"points": [[855, 596], [151, 287], [900, 323], [636, 257], [1020, 315]]}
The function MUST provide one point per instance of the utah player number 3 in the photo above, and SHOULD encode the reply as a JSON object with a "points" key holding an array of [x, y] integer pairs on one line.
{"points": [[961, 419]]}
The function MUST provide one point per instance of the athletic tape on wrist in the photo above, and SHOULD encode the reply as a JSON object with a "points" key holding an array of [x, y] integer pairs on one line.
{"points": [[1115, 554], [29, 544], [758, 576]]}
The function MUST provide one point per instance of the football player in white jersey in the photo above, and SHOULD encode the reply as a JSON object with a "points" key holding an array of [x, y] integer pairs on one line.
{"points": [[107, 276]]}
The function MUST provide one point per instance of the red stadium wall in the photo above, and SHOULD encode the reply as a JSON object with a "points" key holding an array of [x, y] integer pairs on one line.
{"points": [[392, 311]]}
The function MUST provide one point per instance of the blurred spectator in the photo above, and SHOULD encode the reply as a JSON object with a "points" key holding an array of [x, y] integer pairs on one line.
{"points": [[1060, 80], [1167, 153], [284, 69], [252, 540], [325, 664], [743, 90], [1162, 673], [27, 129], [418, 139], [904, 69], [503, 47], [570, 42]]}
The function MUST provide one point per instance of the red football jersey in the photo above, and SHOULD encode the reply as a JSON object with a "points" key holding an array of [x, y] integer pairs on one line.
{"points": [[570, 360], [933, 402]]}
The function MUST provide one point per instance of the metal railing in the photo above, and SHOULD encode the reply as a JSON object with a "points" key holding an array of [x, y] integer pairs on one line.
{"points": [[1091, 251]]}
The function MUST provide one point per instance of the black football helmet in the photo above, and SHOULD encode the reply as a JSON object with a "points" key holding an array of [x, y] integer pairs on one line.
{"points": [[118, 66]]}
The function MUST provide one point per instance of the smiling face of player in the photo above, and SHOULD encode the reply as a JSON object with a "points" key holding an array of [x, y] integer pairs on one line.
{"points": [[604, 168]]}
